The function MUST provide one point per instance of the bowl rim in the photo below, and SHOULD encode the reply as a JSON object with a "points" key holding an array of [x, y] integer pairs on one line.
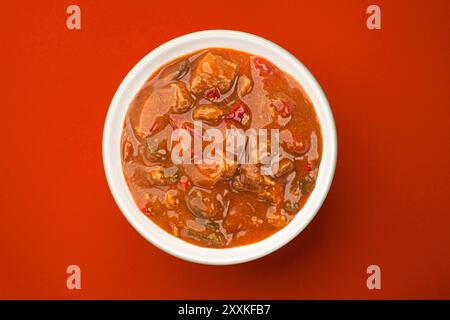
{"points": [[180, 248]]}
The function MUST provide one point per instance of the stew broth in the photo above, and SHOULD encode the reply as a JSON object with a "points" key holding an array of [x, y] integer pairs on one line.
{"points": [[223, 204]]}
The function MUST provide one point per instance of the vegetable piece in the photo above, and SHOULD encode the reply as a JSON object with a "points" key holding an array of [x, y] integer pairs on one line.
{"points": [[307, 185], [213, 226], [208, 112], [175, 71], [212, 70], [159, 175], [172, 174], [154, 150], [215, 239], [284, 166], [203, 204], [212, 94], [172, 198], [239, 113], [290, 206], [184, 184]]}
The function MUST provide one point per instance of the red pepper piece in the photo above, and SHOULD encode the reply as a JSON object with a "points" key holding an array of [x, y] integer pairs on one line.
{"points": [[158, 125], [262, 64], [309, 166], [212, 94], [239, 113], [286, 109], [184, 183], [174, 122], [153, 128]]}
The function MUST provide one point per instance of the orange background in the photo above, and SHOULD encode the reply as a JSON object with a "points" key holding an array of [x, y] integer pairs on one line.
{"points": [[389, 203]]}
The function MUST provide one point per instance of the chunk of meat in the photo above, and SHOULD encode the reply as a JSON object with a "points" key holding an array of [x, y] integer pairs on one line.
{"points": [[218, 170], [182, 98], [173, 97], [244, 85], [271, 193], [239, 216], [208, 175], [208, 112], [293, 144], [250, 179], [212, 71], [203, 204], [153, 204], [251, 176], [211, 172]]}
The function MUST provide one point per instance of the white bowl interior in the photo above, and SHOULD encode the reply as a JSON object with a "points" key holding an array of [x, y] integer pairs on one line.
{"points": [[114, 125]]}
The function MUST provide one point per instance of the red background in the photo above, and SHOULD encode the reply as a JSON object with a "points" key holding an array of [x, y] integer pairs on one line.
{"points": [[388, 205]]}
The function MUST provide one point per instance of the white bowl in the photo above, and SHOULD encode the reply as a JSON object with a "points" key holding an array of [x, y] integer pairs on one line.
{"points": [[114, 125]]}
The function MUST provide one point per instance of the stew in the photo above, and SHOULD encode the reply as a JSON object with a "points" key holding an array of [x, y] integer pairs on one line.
{"points": [[224, 202]]}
